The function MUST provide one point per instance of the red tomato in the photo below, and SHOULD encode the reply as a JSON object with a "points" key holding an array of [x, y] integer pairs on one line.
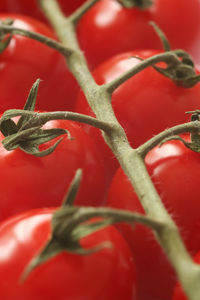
{"points": [[30, 182], [175, 171], [145, 105], [107, 274], [2, 6], [195, 48], [179, 294], [25, 60], [108, 28], [31, 7]]}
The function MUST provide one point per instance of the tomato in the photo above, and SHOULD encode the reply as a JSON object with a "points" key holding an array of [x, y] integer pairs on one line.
{"points": [[108, 28], [175, 171], [178, 293], [145, 105], [31, 7], [25, 60], [195, 48], [2, 6], [31, 182], [107, 274]]}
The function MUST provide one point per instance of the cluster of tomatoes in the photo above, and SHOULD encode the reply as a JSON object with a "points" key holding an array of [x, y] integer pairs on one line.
{"points": [[111, 37]]}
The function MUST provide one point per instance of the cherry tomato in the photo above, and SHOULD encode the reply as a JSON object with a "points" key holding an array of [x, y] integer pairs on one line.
{"points": [[195, 48], [108, 28], [179, 294], [2, 6], [25, 60], [30, 182], [31, 7], [107, 274], [145, 105], [175, 171]]}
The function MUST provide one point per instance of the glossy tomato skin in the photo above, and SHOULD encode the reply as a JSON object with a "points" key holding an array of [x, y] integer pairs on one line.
{"points": [[107, 274], [195, 49], [145, 105], [108, 28], [31, 7], [175, 171], [179, 294], [25, 60], [30, 182], [2, 6]]}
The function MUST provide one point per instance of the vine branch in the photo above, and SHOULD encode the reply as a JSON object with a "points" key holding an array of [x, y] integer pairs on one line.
{"points": [[83, 214], [131, 161], [76, 16], [192, 127], [9, 29], [168, 57], [39, 119]]}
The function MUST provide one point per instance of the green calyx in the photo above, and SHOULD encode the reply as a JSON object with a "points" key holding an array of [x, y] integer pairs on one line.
{"points": [[181, 72], [26, 134], [141, 4], [65, 238], [69, 224]]}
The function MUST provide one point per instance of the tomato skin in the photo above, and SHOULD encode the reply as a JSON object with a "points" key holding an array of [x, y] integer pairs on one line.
{"points": [[25, 60], [108, 29], [31, 7], [175, 171], [30, 182], [107, 274], [178, 294], [2, 6], [145, 105]]}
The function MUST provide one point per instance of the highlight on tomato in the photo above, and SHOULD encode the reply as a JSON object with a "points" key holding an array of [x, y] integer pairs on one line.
{"points": [[175, 171], [105, 274], [24, 60], [108, 28]]}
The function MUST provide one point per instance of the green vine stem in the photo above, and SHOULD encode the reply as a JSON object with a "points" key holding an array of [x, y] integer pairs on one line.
{"points": [[164, 41], [83, 214], [141, 4], [76, 16], [167, 57], [73, 189], [8, 29], [69, 225], [100, 101], [131, 160], [192, 127], [39, 119], [180, 71]]}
